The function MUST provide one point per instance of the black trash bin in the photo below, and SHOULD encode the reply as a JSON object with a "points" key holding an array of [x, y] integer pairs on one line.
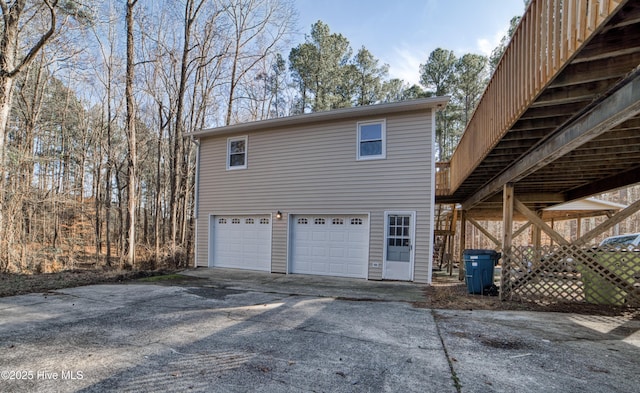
{"points": [[478, 266]]}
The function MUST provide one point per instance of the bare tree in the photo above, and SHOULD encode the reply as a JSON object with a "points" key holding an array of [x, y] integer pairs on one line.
{"points": [[257, 26], [131, 136], [12, 64]]}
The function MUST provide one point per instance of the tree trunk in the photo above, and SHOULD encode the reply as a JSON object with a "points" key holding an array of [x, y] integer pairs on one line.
{"points": [[131, 137]]}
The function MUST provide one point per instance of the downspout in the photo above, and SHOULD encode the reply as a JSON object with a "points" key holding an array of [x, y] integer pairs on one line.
{"points": [[196, 199], [432, 197]]}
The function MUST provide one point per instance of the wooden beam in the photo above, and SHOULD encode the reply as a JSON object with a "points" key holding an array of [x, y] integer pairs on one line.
{"points": [[551, 198], [537, 221], [463, 243], [619, 106], [507, 221], [619, 180], [484, 231], [521, 229], [507, 216], [609, 223]]}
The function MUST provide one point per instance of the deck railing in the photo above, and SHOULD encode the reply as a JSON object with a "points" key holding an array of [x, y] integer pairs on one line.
{"points": [[443, 177], [548, 36]]}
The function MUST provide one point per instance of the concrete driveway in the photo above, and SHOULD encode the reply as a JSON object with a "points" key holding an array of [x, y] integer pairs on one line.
{"points": [[230, 331]]}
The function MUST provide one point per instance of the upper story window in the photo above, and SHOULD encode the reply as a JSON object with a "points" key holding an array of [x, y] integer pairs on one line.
{"points": [[372, 140], [237, 153]]}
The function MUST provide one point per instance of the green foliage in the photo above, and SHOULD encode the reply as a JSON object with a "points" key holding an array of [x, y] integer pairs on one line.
{"points": [[464, 79], [326, 77], [81, 10], [471, 80], [368, 77], [438, 73], [498, 51], [318, 66]]}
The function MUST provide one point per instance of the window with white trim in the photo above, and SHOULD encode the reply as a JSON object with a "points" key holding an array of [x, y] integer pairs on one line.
{"points": [[248, 221], [222, 220], [237, 153], [303, 221], [372, 140], [356, 221], [264, 221], [319, 221], [235, 221], [337, 221]]}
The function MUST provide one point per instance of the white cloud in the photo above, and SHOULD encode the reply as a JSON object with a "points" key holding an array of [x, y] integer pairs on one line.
{"points": [[487, 45], [405, 64]]}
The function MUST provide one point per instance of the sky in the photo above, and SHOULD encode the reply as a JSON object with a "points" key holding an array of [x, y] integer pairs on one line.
{"points": [[402, 33]]}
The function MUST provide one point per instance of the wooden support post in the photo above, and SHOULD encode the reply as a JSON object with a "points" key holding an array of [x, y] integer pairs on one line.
{"points": [[452, 231], [507, 220], [463, 243], [536, 239], [578, 227]]}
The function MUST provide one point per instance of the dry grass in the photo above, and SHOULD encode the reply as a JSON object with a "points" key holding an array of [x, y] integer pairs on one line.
{"points": [[448, 293], [19, 284]]}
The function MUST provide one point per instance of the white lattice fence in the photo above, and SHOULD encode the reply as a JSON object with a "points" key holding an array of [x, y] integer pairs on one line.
{"points": [[572, 274]]}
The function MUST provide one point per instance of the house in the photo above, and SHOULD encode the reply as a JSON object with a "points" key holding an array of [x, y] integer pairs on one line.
{"points": [[348, 192]]}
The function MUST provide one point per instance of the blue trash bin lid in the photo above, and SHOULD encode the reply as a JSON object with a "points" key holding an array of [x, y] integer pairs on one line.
{"points": [[472, 251]]}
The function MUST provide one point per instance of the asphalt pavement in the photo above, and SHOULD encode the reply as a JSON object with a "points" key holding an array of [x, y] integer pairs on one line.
{"points": [[231, 331]]}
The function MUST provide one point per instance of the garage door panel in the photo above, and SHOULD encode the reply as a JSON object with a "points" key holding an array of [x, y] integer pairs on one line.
{"points": [[318, 236], [338, 244], [337, 252], [338, 236], [242, 242]]}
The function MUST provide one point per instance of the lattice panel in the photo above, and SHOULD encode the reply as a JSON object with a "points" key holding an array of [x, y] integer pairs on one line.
{"points": [[572, 274]]}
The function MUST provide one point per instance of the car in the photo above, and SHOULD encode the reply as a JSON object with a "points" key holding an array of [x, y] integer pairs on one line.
{"points": [[629, 241]]}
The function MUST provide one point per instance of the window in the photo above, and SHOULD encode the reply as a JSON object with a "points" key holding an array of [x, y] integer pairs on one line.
{"points": [[319, 221], [237, 153], [222, 220], [371, 140], [303, 221], [235, 221], [337, 221], [248, 221], [356, 221], [264, 221]]}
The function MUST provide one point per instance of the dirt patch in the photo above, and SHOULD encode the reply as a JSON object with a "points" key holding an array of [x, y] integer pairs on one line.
{"points": [[453, 295], [447, 294], [19, 284]]}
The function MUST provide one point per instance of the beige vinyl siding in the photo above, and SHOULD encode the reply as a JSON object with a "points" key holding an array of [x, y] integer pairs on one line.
{"points": [[279, 233], [376, 244], [314, 168]]}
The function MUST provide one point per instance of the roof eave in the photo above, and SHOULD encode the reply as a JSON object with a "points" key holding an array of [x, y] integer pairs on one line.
{"points": [[332, 115]]}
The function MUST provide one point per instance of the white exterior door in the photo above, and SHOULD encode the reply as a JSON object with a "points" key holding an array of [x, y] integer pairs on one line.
{"points": [[398, 248], [330, 245], [241, 242]]}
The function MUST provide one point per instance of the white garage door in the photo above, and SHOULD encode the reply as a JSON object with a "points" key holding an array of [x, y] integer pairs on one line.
{"points": [[241, 242], [330, 245]]}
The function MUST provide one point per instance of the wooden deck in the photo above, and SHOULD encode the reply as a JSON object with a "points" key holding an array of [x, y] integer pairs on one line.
{"points": [[560, 118]]}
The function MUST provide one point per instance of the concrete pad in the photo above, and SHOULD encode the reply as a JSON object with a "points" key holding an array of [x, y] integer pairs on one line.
{"points": [[541, 352], [234, 331], [143, 338], [302, 284]]}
